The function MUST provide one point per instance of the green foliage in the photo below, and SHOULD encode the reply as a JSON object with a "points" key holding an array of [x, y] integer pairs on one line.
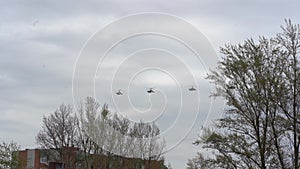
{"points": [[9, 155], [197, 162], [261, 84]]}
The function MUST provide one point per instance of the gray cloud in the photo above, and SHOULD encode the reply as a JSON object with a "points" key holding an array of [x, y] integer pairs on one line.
{"points": [[40, 40]]}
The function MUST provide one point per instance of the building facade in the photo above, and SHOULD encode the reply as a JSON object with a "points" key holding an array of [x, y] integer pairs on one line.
{"points": [[48, 158], [73, 158]]}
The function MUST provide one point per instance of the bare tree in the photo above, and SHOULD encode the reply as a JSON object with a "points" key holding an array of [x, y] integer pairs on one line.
{"points": [[147, 143], [58, 133], [91, 127], [117, 138]]}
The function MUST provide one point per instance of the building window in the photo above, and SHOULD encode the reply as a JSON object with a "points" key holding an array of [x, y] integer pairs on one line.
{"points": [[59, 166], [44, 160]]}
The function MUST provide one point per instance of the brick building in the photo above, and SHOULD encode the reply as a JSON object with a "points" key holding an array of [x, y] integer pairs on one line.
{"points": [[40, 159]]}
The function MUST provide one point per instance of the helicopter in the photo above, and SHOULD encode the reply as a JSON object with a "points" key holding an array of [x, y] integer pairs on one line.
{"points": [[119, 92], [150, 90], [192, 89]]}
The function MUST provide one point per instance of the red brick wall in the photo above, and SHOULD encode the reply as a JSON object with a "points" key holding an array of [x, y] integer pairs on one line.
{"points": [[97, 160], [23, 159]]}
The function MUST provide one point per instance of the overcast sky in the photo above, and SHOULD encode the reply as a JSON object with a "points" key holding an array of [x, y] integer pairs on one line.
{"points": [[40, 43]]}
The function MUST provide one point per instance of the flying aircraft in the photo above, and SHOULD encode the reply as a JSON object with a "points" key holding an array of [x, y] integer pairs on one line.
{"points": [[150, 90], [192, 89], [119, 92]]}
